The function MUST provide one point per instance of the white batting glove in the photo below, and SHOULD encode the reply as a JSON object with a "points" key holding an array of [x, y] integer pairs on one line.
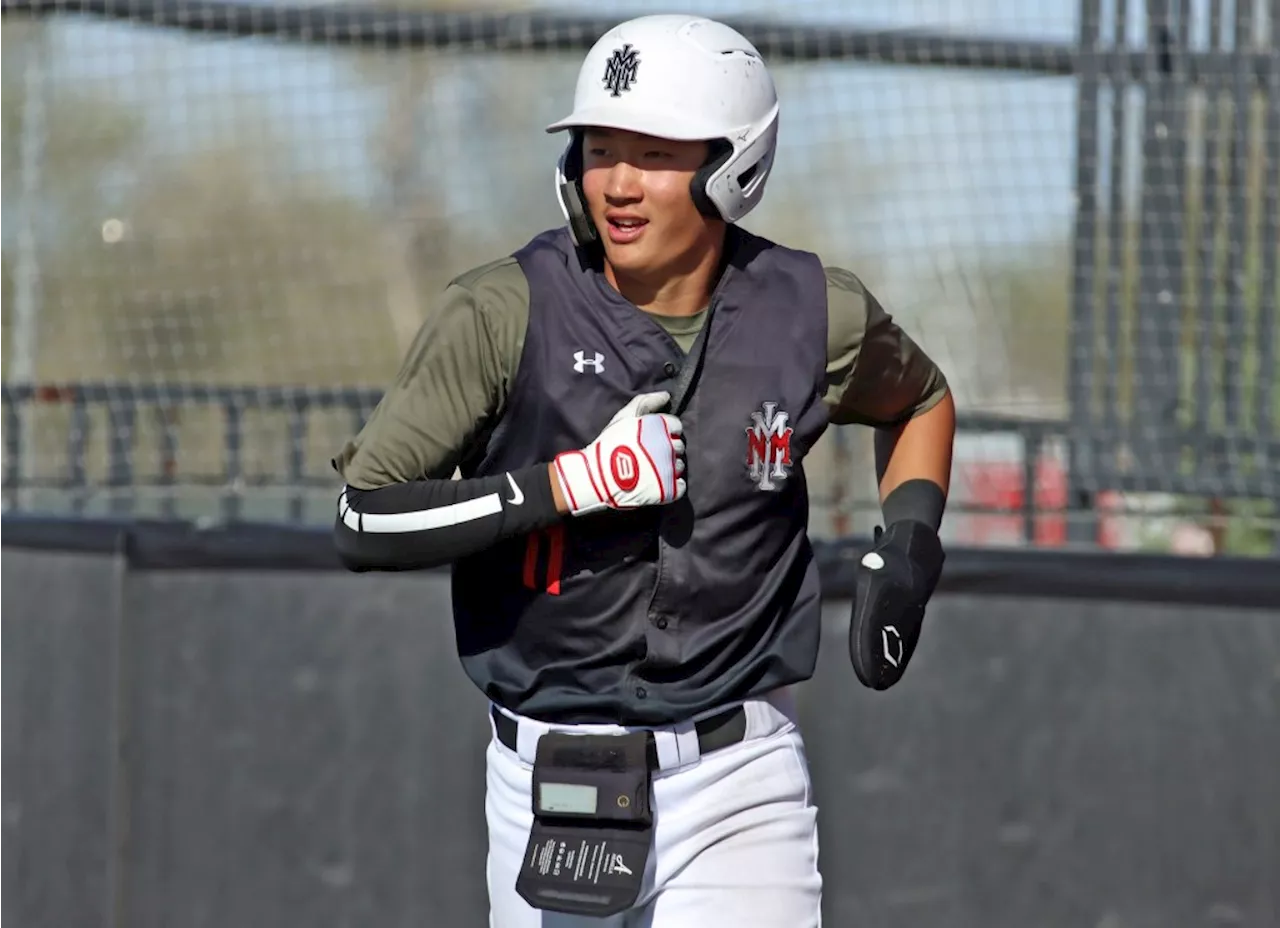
{"points": [[636, 461]]}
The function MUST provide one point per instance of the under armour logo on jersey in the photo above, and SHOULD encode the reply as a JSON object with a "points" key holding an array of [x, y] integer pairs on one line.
{"points": [[581, 362], [620, 70]]}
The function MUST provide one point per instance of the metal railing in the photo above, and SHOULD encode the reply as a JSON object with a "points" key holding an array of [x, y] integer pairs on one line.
{"points": [[126, 404]]}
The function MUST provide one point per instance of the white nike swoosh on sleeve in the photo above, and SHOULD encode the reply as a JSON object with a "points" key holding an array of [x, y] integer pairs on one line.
{"points": [[517, 496]]}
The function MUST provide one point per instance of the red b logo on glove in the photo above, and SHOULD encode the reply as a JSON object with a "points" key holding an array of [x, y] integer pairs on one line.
{"points": [[625, 467]]}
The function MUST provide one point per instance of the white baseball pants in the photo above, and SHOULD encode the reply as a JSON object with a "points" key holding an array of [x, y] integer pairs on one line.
{"points": [[735, 832]]}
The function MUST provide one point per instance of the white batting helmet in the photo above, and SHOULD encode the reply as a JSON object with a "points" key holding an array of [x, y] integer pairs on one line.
{"points": [[685, 78]]}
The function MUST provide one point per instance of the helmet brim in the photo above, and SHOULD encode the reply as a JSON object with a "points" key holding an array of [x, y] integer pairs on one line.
{"points": [[672, 126]]}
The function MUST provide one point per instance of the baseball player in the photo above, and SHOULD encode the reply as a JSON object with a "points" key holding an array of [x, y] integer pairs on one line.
{"points": [[629, 399]]}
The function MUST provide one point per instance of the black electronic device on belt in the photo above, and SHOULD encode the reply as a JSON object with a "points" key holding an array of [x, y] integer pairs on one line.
{"points": [[592, 823]]}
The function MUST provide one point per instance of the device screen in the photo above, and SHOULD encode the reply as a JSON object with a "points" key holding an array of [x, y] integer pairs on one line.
{"points": [[572, 798]]}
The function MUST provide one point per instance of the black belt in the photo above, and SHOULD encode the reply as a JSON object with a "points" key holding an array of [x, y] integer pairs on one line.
{"points": [[714, 732]]}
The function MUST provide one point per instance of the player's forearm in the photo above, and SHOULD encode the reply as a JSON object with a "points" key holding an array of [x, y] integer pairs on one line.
{"points": [[428, 523], [913, 464]]}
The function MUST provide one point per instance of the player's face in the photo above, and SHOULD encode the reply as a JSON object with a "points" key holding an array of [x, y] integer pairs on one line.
{"points": [[637, 190]]}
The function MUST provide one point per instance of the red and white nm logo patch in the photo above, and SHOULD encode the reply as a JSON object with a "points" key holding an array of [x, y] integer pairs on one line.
{"points": [[768, 447]]}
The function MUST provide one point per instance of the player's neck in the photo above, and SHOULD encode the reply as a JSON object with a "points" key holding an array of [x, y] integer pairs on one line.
{"points": [[678, 291]]}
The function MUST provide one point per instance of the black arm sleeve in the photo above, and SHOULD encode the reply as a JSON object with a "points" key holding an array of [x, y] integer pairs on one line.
{"points": [[429, 523]]}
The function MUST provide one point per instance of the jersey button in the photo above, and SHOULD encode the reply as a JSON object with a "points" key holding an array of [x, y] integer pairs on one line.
{"points": [[669, 369], [641, 693]]}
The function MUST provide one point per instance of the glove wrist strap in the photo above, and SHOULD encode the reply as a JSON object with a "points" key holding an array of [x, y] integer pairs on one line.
{"points": [[579, 484]]}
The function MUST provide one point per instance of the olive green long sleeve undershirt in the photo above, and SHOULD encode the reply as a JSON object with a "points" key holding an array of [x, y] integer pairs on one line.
{"points": [[455, 377]]}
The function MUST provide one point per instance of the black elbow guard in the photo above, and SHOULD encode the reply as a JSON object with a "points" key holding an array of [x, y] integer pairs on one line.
{"points": [[895, 580]]}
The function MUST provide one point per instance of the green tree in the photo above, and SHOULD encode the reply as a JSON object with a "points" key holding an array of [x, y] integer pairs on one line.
{"points": [[230, 272], [422, 244], [227, 271], [162, 261], [81, 135]]}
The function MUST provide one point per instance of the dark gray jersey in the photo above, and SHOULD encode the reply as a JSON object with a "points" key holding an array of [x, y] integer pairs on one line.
{"points": [[648, 616]]}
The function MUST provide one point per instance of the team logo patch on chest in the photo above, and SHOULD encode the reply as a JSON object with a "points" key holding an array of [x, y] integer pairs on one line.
{"points": [[769, 447]]}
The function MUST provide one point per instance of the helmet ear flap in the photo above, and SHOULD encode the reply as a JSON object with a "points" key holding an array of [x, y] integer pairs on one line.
{"points": [[721, 151], [573, 200]]}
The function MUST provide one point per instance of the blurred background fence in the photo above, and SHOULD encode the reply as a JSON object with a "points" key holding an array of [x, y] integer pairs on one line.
{"points": [[221, 223]]}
